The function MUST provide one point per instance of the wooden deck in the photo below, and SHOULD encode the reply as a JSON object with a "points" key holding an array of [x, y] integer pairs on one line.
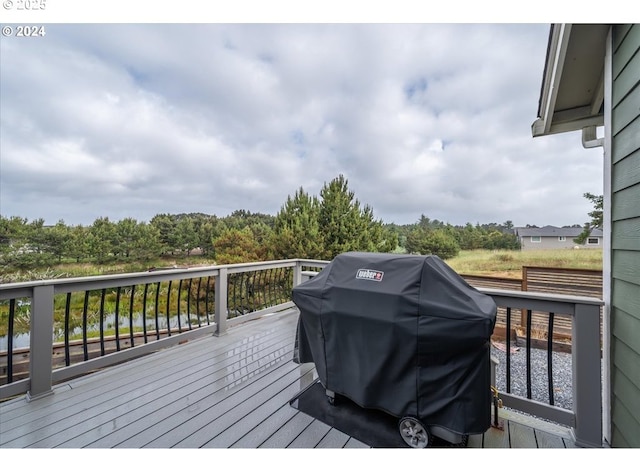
{"points": [[229, 391]]}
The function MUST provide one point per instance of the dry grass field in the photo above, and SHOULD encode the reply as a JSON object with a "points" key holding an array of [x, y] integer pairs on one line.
{"points": [[509, 264], [499, 263]]}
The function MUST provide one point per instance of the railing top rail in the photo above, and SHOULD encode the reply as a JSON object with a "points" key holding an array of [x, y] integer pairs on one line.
{"points": [[313, 262], [562, 269], [482, 276], [24, 289], [144, 276], [539, 296]]}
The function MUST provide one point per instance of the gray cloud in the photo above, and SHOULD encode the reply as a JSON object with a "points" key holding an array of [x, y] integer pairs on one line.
{"points": [[136, 120]]}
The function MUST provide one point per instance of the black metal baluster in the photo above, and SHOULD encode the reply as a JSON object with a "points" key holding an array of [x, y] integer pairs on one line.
{"points": [[133, 290], [528, 354], [198, 301], [156, 310], [189, 303], [276, 286], [508, 355], [102, 296], [274, 289], [168, 310], [243, 292], [263, 297], [206, 298], [283, 283], [288, 281], [144, 312], [550, 358], [85, 310], [287, 296], [179, 311], [117, 318], [252, 292], [12, 314], [67, 310], [270, 287], [234, 276]]}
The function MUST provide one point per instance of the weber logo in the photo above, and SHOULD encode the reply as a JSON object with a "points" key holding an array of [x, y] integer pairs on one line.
{"points": [[369, 275]]}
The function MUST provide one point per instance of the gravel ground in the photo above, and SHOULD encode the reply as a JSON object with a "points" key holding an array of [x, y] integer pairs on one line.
{"points": [[562, 375]]}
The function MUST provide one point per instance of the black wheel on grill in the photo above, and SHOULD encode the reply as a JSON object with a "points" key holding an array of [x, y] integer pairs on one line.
{"points": [[414, 433]]}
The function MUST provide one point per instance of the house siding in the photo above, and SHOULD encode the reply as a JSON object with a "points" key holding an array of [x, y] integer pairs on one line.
{"points": [[625, 236], [554, 243], [549, 238]]}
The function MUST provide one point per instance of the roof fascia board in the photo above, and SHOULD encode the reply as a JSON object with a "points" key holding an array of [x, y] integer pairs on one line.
{"points": [[598, 98], [575, 125], [557, 53]]}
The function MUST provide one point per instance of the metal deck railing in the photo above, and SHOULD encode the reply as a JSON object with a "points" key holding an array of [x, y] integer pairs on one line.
{"points": [[140, 313]]}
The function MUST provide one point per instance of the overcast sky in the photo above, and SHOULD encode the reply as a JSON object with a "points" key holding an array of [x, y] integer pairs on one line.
{"points": [[134, 120]]}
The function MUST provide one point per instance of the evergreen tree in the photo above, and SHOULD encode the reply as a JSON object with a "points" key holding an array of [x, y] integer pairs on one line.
{"points": [[128, 234], [101, 239], [296, 229], [208, 231], [186, 237], [78, 244], [166, 226], [236, 246], [432, 241], [341, 221], [147, 245], [12, 237], [57, 240], [596, 217]]}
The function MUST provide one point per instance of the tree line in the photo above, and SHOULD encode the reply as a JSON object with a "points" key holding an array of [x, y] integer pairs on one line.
{"points": [[306, 226]]}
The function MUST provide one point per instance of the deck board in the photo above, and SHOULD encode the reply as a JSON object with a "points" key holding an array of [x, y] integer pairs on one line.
{"points": [[206, 410], [353, 442], [132, 406], [127, 385], [521, 435], [475, 441], [228, 391], [254, 409], [545, 439], [312, 435], [334, 438], [289, 431], [263, 430], [496, 438]]}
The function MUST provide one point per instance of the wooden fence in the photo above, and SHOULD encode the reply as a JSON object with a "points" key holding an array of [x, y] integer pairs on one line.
{"points": [[565, 281]]}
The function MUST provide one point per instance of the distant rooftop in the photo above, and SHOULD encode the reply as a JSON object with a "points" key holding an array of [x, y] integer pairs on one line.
{"points": [[553, 231]]}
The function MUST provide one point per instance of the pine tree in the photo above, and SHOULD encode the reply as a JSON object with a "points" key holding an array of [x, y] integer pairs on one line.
{"points": [[296, 230]]}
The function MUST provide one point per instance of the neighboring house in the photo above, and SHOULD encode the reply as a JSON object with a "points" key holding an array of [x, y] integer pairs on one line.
{"points": [[592, 79], [551, 237]]}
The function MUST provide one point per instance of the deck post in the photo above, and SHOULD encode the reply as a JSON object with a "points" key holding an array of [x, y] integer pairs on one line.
{"points": [[221, 294], [41, 342], [297, 273], [587, 384]]}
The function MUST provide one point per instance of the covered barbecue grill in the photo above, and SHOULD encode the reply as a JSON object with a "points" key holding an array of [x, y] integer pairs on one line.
{"points": [[403, 334]]}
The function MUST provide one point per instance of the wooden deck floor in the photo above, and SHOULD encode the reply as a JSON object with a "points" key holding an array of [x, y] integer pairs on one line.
{"points": [[229, 391]]}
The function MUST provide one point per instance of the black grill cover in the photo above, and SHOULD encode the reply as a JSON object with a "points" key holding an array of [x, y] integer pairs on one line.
{"points": [[401, 333]]}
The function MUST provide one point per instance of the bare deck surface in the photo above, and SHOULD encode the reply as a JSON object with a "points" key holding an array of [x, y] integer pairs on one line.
{"points": [[229, 391]]}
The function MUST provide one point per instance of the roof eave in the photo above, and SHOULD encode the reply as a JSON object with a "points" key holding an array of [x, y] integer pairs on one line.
{"points": [[556, 54], [551, 120]]}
